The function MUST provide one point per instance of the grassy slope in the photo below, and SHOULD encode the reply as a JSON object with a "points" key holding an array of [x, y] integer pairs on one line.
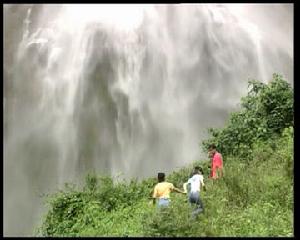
{"points": [[253, 199]]}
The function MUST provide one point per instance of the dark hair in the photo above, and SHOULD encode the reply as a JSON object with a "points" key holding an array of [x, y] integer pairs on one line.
{"points": [[212, 146], [161, 177], [198, 169]]}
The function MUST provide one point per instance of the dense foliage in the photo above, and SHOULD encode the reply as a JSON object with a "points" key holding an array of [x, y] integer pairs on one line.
{"points": [[264, 113], [100, 204], [254, 198]]}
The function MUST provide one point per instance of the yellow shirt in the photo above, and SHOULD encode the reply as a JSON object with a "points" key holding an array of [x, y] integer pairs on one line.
{"points": [[162, 190]]}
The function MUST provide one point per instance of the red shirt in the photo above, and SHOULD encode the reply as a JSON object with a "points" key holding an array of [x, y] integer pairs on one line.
{"points": [[217, 160]]}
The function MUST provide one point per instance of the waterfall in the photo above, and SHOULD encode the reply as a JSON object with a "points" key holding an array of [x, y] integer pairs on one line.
{"points": [[124, 88]]}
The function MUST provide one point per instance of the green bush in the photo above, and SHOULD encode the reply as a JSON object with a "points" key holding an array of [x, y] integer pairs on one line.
{"points": [[72, 210], [265, 112]]}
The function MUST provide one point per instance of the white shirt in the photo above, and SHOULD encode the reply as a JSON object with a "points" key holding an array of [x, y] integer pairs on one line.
{"points": [[195, 182]]}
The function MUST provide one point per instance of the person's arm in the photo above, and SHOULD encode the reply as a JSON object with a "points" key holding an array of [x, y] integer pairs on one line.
{"points": [[202, 184], [221, 170], [154, 195], [185, 187], [176, 189]]}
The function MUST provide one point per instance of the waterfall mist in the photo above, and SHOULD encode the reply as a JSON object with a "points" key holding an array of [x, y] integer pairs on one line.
{"points": [[126, 89]]}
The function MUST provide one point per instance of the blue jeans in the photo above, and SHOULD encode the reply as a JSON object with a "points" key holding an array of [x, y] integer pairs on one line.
{"points": [[194, 199], [163, 202]]}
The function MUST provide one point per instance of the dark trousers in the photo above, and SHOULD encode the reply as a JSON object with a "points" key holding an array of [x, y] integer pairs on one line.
{"points": [[194, 199]]}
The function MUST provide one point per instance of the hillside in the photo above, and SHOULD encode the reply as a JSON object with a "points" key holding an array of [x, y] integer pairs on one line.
{"points": [[254, 198]]}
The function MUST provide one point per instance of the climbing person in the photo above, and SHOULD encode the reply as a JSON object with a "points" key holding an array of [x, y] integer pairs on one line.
{"points": [[193, 188], [162, 190], [216, 162]]}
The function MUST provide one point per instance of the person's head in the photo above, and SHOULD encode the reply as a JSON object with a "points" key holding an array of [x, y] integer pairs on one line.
{"points": [[198, 170], [161, 177], [211, 150]]}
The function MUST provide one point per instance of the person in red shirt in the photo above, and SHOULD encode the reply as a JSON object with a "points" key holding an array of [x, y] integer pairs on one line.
{"points": [[216, 162]]}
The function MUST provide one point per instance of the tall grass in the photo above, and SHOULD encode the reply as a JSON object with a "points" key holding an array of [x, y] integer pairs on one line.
{"points": [[254, 198]]}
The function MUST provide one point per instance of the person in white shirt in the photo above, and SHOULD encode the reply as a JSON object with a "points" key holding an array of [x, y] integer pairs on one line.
{"points": [[193, 188]]}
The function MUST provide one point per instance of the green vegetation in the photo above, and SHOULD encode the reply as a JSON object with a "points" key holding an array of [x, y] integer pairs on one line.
{"points": [[254, 198], [264, 113]]}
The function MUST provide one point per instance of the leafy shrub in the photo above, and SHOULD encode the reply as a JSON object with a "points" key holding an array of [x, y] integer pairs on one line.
{"points": [[72, 210], [265, 111]]}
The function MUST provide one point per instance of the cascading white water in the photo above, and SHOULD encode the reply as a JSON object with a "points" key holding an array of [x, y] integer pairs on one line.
{"points": [[126, 89]]}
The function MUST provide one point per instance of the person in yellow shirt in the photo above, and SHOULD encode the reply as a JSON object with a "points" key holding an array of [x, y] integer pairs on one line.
{"points": [[162, 190]]}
